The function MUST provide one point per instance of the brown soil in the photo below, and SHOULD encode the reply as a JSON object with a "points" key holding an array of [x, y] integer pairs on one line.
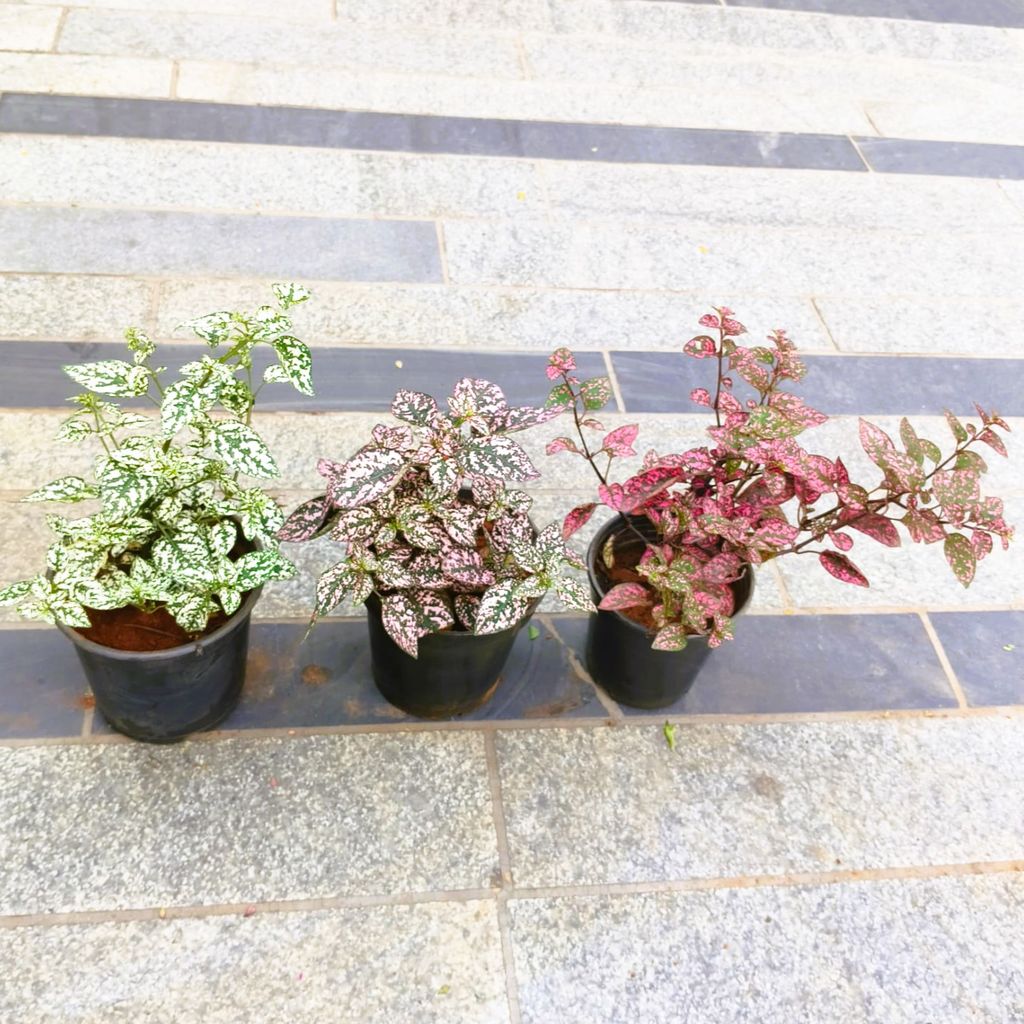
{"points": [[131, 629], [627, 556]]}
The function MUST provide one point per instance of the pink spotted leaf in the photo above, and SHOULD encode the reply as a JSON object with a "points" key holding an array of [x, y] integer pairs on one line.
{"points": [[842, 568]]}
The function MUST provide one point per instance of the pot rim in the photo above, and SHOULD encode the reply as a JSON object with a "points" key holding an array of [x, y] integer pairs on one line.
{"points": [[593, 553], [192, 647]]}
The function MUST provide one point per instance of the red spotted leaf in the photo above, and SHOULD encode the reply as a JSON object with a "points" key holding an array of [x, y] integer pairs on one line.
{"points": [[876, 527], [843, 541], [620, 441], [671, 637], [560, 361], [625, 595], [957, 429], [636, 490], [561, 444], [961, 557], [709, 320], [776, 533], [981, 544], [701, 347], [876, 442], [578, 517], [842, 568], [596, 393], [796, 411], [993, 440]]}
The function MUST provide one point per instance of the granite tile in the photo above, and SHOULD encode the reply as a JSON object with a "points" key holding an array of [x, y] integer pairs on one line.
{"points": [[73, 306], [843, 385], [24, 28], [804, 663], [986, 650], [429, 963], [512, 318], [42, 688], [976, 116], [142, 242], [168, 175], [763, 799], [103, 76], [303, 10], [106, 826], [240, 37], [966, 159], [887, 952]]}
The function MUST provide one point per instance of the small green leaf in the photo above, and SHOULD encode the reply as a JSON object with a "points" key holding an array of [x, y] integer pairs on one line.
{"points": [[958, 430], [533, 632], [669, 731], [290, 294], [596, 393]]}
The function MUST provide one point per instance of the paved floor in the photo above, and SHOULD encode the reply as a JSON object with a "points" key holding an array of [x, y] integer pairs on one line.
{"points": [[839, 833]]}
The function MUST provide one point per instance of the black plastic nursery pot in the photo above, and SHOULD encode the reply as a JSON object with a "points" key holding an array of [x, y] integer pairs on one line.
{"points": [[163, 696], [454, 673], [618, 653]]}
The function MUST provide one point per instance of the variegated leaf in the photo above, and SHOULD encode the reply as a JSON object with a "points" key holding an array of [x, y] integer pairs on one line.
{"points": [[333, 585], [289, 294], [877, 527], [15, 592], [181, 403], [596, 393], [466, 606], [123, 490], [578, 517], [957, 429], [296, 361], [65, 488], [366, 476], [474, 397], [186, 557], [498, 456], [111, 377], [961, 557], [467, 567], [306, 521], [415, 521], [255, 568], [671, 637], [242, 449], [573, 593], [223, 536], [413, 407], [500, 608], [74, 430], [402, 622], [191, 611], [842, 568]]}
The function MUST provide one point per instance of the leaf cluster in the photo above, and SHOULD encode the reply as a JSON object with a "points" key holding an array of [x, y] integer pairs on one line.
{"points": [[431, 526], [755, 493], [175, 522]]}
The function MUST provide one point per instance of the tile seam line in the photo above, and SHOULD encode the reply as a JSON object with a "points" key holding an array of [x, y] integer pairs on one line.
{"points": [[526, 724], [598, 890], [947, 666]]}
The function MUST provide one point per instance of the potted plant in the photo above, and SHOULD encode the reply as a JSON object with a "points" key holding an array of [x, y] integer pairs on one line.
{"points": [[674, 567], [441, 551], [155, 588]]}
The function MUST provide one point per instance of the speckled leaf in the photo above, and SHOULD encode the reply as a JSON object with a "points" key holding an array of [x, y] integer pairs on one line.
{"points": [[296, 361], [960, 555], [636, 490], [573, 593], [956, 487], [981, 544], [255, 568], [366, 476], [305, 521], [181, 403], [110, 377], [993, 440], [625, 595], [191, 611], [474, 397], [466, 606], [332, 586], [500, 457], [596, 393], [522, 418], [500, 608], [620, 441], [560, 397], [242, 449], [956, 428], [65, 488], [467, 567], [413, 407], [877, 527], [876, 442], [415, 522], [842, 568], [578, 517], [671, 637], [559, 362], [124, 491], [186, 557], [74, 430]]}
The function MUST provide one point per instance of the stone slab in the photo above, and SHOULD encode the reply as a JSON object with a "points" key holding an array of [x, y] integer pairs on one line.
{"points": [[801, 663], [27, 29], [966, 159], [240, 37], [766, 799], [305, 10], [986, 650], [431, 963], [843, 385], [298, 125], [106, 826], [73, 73], [42, 690], [889, 952], [171, 175], [143, 242]]}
